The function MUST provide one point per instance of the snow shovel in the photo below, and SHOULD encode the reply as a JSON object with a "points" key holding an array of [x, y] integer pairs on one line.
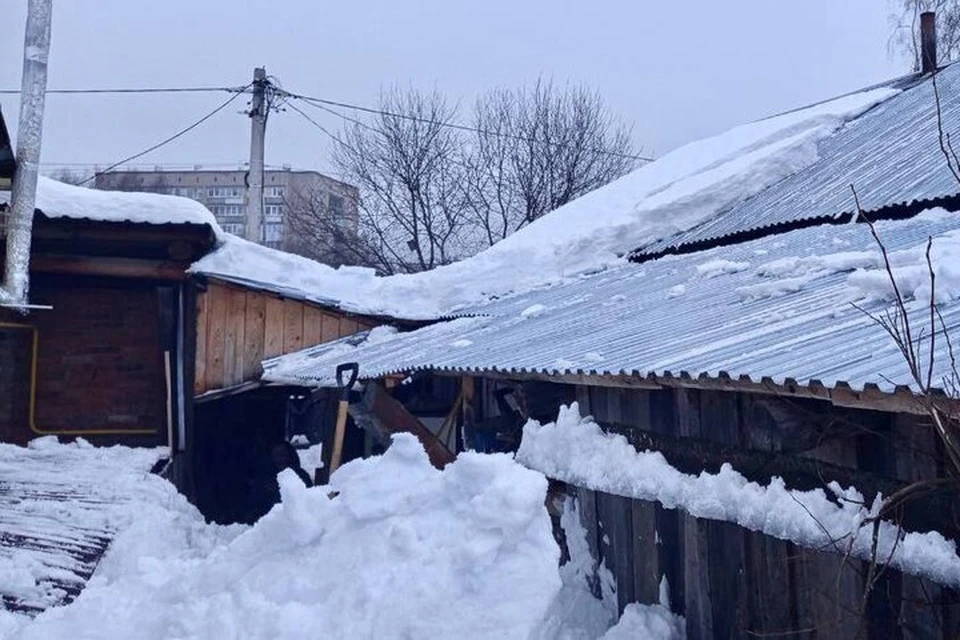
{"points": [[353, 369]]}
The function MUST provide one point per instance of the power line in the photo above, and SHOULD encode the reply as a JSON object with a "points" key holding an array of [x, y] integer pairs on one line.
{"points": [[119, 90], [332, 136], [319, 102], [167, 140]]}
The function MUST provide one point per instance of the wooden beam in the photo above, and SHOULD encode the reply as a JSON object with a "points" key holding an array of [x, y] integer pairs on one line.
{"points": [[900, 401], [112, 267], [393, 417]]}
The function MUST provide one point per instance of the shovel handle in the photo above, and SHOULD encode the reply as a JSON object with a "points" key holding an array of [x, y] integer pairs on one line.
{"points": [[351, 368]]}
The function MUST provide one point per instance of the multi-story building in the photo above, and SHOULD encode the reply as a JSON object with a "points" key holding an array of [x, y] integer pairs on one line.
{"points": [[287, 194]]}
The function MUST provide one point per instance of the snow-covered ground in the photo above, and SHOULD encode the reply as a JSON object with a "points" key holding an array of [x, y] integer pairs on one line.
{"points": [[402, 550]]}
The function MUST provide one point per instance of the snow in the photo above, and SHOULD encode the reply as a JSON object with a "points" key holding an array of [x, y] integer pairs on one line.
{"points": [[58, 200], [650, 622], [402, 551], [577, 613], [718, 266], [533, 311], [676, 192], [676, 291], [352, 289], [575, 450], [912, 274]]}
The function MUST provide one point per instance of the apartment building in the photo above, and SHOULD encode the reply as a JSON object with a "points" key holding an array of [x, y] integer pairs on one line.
{"points": [[287, 192]]}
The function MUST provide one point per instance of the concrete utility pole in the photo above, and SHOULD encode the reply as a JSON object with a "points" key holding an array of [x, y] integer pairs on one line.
{"points": [[258, 130], [36, 49]]}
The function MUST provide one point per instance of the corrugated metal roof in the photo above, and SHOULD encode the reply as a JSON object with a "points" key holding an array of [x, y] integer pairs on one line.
{"points": [[891, 154], [667, 316]]}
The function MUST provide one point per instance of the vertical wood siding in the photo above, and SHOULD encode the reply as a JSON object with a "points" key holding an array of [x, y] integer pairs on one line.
{"points": [[730, 582], [238, 328]]}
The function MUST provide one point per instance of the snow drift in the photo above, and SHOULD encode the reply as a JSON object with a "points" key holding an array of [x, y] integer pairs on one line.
{"points": [[403, 551]]}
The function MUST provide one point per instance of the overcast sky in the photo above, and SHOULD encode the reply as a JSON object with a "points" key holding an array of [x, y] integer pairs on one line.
{"points": [[676, 71]]}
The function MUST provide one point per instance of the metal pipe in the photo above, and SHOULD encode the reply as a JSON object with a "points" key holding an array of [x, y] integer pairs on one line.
{"points": [[36, 50], [928, 41]]}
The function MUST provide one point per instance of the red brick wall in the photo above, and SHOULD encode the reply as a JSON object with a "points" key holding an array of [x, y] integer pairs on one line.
{"points": [[100, 363]]}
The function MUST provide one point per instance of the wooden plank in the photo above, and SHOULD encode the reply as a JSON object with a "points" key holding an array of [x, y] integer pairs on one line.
{"points": [[900, 401], [273, 327], [348, 326], [233, 337], [253, 334], [329, 327], [217, 300], [589, 520], [645, 561], [770, 591], [619, 527], [312, 326], [110, 267], [727, 582], [829, 592], [393, 417], [698, 606], [292, 326], [200, 357]]}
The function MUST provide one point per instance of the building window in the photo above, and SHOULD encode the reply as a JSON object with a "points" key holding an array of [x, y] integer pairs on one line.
{"points": [[273, 233], [273, 192], [235, 229], [336, 204]]}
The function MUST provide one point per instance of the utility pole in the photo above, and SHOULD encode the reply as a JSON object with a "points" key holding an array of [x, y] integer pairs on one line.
{"points": [[258, 130], [33, 90]]}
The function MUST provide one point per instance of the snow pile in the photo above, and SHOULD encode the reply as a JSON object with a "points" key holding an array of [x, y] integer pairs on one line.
{"points": [[912, 274], [403, 551], [576, 450], [75, 491], [586, 604], [792, 273], [718, 266], [648, 621], [58, 200]]}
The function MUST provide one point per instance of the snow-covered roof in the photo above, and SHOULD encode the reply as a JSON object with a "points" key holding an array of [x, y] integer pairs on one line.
{"points": [[59, 200], [684, 188], [351, 289], [674, 193], [777, 308]]}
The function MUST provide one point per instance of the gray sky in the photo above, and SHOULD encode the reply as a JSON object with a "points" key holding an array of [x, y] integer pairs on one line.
{"points": [[676, 71]]}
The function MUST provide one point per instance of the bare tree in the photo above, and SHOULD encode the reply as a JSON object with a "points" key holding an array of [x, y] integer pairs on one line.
{"points": [[538, 148], [405, 162], [433, 191], [906, 34], [320, 231]]}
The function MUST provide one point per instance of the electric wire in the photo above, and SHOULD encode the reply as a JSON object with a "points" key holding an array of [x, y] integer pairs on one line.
{"points": [[168, 140], [122, 90]]}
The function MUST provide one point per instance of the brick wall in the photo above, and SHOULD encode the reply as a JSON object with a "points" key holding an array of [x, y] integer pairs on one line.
{"points": [[100, 363]]}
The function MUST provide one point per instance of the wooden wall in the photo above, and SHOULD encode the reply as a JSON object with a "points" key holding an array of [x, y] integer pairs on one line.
{"points": [[237, 328], [733, 583]]}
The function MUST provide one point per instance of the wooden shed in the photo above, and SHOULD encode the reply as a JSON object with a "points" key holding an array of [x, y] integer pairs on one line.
{"points": [[100, 356]]}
